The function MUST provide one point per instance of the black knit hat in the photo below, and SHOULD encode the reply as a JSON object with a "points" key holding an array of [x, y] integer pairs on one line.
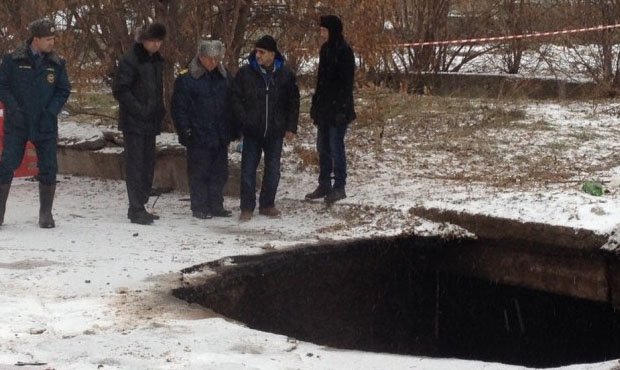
{"points": [[154, 31], [268, 43], [42, 28]]}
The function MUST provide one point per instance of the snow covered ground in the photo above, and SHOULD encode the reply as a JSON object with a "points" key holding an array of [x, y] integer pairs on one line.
{"points": [[95, 291]]}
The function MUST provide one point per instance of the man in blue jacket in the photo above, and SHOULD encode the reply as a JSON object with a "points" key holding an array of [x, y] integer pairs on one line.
{"points": [[202, 117], [33, 87], [266, 103]]}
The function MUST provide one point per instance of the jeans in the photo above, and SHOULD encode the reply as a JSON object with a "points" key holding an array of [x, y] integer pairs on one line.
{"points": [[332, 155], [250, 158], [139, 168], [13, 154], [207, 171]]}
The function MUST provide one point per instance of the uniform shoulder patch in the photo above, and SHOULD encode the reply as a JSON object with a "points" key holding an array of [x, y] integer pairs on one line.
{"points": [[183, 71]]}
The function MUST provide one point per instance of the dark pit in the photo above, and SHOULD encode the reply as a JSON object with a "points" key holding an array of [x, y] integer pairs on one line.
{"points": [[424, 296]]}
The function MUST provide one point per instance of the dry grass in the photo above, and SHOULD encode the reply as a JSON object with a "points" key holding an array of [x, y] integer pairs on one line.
{"points": [[307, 157], [488, 141]]}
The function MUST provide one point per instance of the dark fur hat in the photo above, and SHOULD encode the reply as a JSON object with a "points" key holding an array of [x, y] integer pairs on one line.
{"points": [[153, 31], [42, 28]]}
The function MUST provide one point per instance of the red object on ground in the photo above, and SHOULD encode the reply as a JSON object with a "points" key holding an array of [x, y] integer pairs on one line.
{"points": [[29, 164]]}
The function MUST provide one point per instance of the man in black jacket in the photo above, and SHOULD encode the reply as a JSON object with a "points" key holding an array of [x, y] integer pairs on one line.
{"points": [[33, 87], [266, 103], [332, 109], [202, 117], [138, 87]]}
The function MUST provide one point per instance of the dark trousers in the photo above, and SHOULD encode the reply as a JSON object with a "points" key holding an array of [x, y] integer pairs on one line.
{"points": [[250, 158], [207, 171], [332, 155], [139, 168], [13, 154]]}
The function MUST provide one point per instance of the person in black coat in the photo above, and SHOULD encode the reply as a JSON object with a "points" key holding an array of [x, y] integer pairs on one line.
{"points": [[33, 87], [332, 109], [266, 103], [138, 87], [202, 117]]}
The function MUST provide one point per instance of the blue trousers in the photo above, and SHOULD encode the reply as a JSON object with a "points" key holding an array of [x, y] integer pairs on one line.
{"points": [[332, 155], [13, 154], [250, 158]]}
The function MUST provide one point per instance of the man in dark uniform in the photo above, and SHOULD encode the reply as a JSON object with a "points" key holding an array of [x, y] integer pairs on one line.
{"points": [[266, 103], [33, 87], [138, 87], [202, 116], [332, 109]]}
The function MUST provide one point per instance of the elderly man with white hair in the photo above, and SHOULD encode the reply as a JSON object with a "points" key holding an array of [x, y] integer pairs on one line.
{"points": [[203, 119]]}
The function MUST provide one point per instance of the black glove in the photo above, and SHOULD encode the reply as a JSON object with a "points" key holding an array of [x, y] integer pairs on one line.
{"points": [[340, 119], [15, 120], [235, 136], [313, 108], [159, 113], [146, 111], [185, 137]]}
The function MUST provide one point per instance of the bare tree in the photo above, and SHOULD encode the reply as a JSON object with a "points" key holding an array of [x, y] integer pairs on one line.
{"points": [[95, 33]]}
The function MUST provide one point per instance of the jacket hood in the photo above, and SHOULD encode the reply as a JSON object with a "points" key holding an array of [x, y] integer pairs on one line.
{"points": [[277, 63], [333, 25]]}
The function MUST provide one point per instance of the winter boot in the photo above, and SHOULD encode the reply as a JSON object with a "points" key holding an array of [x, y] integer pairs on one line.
{"points": [[139, 216], [131, 213], [320, 192], [272, 212], [246, 215], [46, 199], [335, 195], [4, 195], [152, 215], [220, 212], [203, 215]]}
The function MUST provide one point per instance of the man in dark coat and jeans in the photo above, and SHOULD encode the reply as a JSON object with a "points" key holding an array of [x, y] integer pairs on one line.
{"points": [[266, 103], [33, 87], [202, 116], [332, 109], [138, 87]]}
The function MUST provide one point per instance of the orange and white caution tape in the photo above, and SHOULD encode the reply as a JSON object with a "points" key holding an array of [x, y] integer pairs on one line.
{"points": [[513, 37]]}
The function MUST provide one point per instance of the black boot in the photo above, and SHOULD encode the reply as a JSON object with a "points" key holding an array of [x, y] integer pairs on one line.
{"points": [[46, 199], [4, 195], [220, 211], [335, 195], [320, 192], [139, 216], [133, 212], [152, 215], [203, 215]]}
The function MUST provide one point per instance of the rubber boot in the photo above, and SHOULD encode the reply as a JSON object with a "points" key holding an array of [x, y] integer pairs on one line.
{"points": [[46, 198], [4, 195]]}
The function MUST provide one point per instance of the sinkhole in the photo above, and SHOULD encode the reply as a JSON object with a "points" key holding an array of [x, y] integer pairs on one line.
{"points": [[469, 299]]}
